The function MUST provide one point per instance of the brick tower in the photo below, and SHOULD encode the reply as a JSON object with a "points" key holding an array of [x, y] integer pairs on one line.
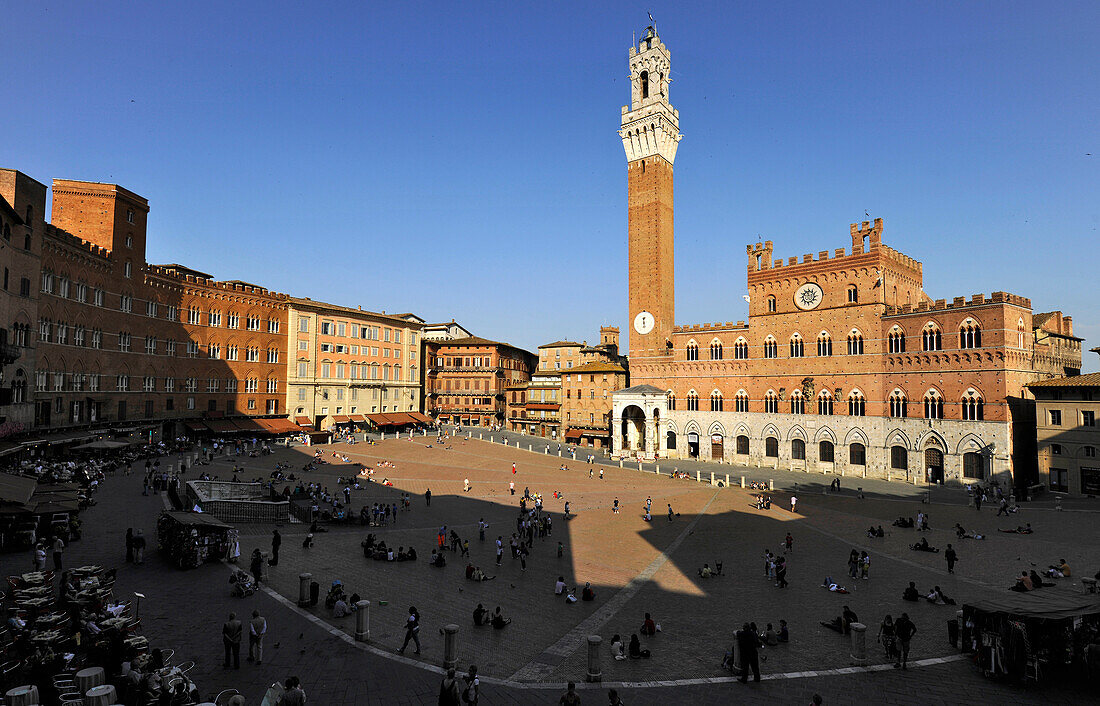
{"points": [[650, 131]]}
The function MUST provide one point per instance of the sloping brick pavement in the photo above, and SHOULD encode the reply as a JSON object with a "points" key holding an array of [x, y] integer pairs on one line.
{"points": [[184, 611]]}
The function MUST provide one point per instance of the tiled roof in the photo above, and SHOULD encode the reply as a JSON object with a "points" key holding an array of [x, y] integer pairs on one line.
{"points": [[1037, 320], [561, 344], [1086, 380], [598, 366]]}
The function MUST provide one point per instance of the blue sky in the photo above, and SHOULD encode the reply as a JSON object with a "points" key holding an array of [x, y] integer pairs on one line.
{"points": [[461, 160]]}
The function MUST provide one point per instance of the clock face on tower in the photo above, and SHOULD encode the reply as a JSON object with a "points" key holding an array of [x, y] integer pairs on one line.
{"points": [[643, 322], [808, 296]]}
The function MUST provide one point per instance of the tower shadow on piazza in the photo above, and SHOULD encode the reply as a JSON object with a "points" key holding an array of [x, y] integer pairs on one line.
{"points": [[621, 555]]}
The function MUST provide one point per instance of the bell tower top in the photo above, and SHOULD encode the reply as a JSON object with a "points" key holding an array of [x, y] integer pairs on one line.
{"points": [[650, 125]]}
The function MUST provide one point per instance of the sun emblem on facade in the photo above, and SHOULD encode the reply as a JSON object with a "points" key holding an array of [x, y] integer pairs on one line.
{"points": [[808, 296]]}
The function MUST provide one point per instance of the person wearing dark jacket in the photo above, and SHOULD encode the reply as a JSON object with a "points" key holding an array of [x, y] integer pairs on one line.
{"points": [[747, 643]]}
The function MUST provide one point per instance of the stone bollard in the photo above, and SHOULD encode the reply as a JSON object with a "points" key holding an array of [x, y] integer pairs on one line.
{"points": [[303, 588], [639, 465], [620, 463], [859, 643], [888, 478], [727, 480], [712, 477], [450, 646], [530, 447], [771, 484], [362, 621], [594, 674], [742, 481], [698, 477], [383, 437], [657, 470], [490, 439], [1058, 502]]}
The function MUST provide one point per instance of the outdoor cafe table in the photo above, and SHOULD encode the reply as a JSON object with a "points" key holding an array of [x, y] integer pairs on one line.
{"points": [[87, 678], [33, 592], [47, 637], [33, 578], [89, 570], [35, 603], [103, 695], [22, 696]]}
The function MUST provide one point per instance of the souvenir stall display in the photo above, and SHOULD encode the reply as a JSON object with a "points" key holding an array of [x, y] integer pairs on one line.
{"points": [[1039, 636], [191, 539]]}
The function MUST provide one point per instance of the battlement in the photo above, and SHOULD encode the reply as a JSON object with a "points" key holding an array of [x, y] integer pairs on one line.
{"points": [[976, 300], [64, 236], [200, 279], [760, 255], [716, 326], [866, 233]]}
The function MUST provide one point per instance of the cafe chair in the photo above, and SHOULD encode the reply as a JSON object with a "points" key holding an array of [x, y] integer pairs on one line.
{"points": [[223, 697]]}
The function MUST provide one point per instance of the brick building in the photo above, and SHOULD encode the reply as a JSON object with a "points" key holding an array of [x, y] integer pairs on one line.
{"points": [[1067, 435], [845, 364], [348, 363], [587, 401], [466, 379]]}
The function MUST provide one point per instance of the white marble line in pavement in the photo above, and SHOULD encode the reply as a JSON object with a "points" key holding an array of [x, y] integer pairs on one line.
{"points": [[572, 640]]}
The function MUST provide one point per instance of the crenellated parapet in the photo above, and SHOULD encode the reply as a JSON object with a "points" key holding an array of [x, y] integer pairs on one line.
{"points": [[960, 303]]}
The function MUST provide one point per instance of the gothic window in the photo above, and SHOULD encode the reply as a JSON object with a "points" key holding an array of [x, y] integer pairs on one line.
{"points": [[796, 346], [896, 340], [716, 350], [970, 334], [973, 408], [741, 401], [825, 403], [771, 447], [671, 397], [716, 401], [1020, 333], [933, 405], [798, 403], [899, 457], [771, 348], [771, 303], [855, 343], [798, 449], [857, 405], [973, 466], [897, 404], [825, 451], [693, 401], [824, 344], [741, 349], [693, 351], [743, 445], [853, 294], [644, 78], [931, 337], [771, 402], [857, 454]]}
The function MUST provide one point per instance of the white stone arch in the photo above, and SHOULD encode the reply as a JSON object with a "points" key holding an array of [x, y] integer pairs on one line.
{"points": [[741, 339], [671, 426], [796, 432], [897, 437], [972, 443], [717, 428], [856, 434], [825, 434], [742, 430], [931, 438], [770, 430], [692, 426], [770, 339]]}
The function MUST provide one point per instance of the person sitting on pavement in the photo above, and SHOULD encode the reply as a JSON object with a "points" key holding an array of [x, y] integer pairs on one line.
{"points": [[911, 593], [635, 650], [923, 546], [904, 522], [705, 572], [340, 609], [559, 587], [1059, 571], [770, 637], [1019, 530], [617, 650], [588, 594], [480, 615], [648, 626], [499, 621], [1023, 583], [1037, 581], [784, 632]]}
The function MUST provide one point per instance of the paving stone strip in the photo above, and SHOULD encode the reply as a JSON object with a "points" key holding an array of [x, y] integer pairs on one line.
{"points": [[543, 665]]}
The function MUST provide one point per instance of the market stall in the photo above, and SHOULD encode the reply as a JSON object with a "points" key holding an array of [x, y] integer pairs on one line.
{"points": [[191, 539], [1035, 636]]}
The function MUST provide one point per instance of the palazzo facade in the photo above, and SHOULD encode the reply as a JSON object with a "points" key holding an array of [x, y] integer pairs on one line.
{"points": [[845, 364]]}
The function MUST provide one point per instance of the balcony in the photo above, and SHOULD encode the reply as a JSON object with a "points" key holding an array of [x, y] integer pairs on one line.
{"points": [[9, 353]]}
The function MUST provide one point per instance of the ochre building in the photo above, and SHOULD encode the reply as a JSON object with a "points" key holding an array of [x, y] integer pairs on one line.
{"points": [[466, 379], [845, 364]]}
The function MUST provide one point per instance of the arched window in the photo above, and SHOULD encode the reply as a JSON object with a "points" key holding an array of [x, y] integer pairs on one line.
{"points": [[743, 445], [741, 401], [693, 351], [716, 401], [856, 404], [798, 403], [693, 401], [825, 451], [670, 440], [771, 447], [671, 396], [824, 344], [825, 403], [771, 402], [973, 466], [716, 350], [771, 348], [933, 405], [899, 458], [853, 294], [644, 81], [771, 303], [970, 334], [798, 449], [896, 340], [973, 408], [932, 337], [796, 346], [897, 404], [741, 349], [855, 343], [857, 454], [1020, 333]]}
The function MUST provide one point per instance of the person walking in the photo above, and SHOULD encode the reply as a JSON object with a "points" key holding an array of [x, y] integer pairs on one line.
{"points": [[412, 630], [670, 513], [39, 557], [428, 497], [231, 638], [747, 643], [905, 630], [448, 690], [257, 628], [130, 545], [256, 565], [58, 548], [615, 509], [473, 686], [951, 557], [500, 548], [139, 547], [794, 504], [781, 572], [977, 499], [276, 542]]}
